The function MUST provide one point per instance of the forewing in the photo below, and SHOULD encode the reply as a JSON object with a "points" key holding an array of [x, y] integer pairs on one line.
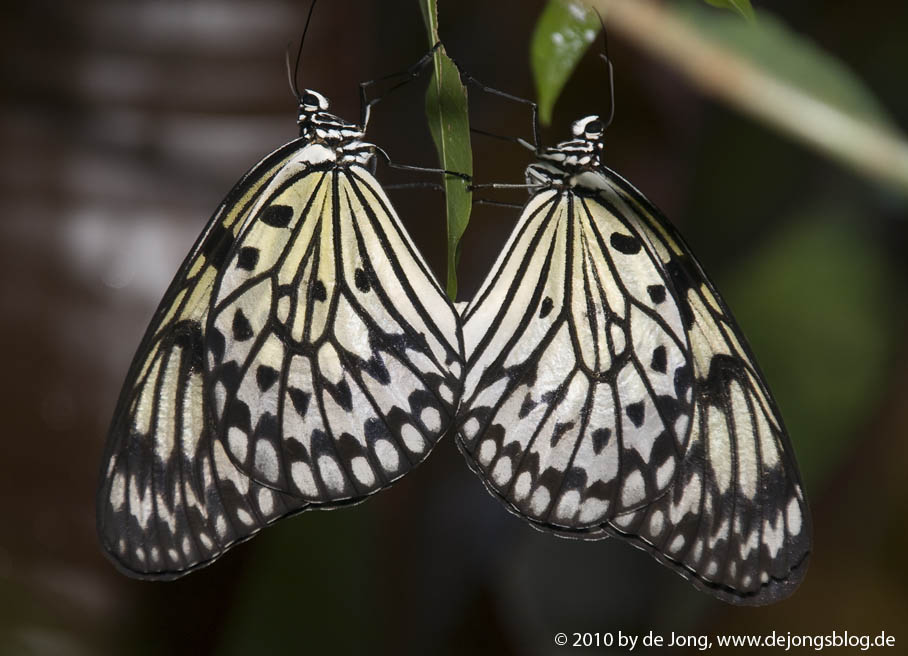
{"points": [[736, 521], [336, 356], [577, 396], [169, 499]]}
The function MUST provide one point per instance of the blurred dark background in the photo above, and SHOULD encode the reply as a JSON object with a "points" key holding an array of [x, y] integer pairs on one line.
{"points": [[124, 124]]}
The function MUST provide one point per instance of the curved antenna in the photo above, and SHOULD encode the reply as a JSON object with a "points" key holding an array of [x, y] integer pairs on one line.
{"points": [[293, 74], [611, 74]]}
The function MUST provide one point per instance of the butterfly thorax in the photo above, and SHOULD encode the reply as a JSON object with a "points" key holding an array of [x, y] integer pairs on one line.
{"points": [[329, 137], [562, 165]]}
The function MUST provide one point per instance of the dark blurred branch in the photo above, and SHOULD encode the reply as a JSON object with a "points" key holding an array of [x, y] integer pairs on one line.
{"points": [[873, 151]]}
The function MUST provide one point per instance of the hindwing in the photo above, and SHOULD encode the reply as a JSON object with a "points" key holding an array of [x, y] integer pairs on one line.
{"points": [[736, 521], [170, 500]]}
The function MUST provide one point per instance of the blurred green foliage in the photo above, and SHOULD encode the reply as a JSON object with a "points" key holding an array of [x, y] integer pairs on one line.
{"points": [[815, 301], [743, 7], [789, 57], [322, 554]]}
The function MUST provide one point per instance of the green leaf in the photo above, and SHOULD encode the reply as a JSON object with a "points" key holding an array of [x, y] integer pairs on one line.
{"points": [[790, 57], [449, 123], [563, 33], [743, 7]]}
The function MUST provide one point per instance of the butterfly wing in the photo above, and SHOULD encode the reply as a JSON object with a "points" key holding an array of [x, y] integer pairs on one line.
{"points": [[609, 391], [170, 500], [736, 521], [334, 353], [577, 396]]}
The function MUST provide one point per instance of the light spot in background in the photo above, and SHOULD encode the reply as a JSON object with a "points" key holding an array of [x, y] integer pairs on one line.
{"points": [[141, 252], [210, 25]]}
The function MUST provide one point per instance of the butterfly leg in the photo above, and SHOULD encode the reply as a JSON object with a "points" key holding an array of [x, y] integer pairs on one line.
{"points": [[403, 77]]}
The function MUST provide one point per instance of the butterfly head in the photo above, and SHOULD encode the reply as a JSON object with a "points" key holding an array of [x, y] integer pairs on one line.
{"points": [[582, 153], [589, 128], [310, 104]]}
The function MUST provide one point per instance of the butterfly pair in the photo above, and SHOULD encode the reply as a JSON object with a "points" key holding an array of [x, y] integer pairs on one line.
{"points": [[305, 357]]}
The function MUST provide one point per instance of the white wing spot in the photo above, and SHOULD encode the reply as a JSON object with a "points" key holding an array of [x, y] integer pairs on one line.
{"points": [[593, 509], [301, 473], [205, 540], [329, 364], [139, 506], [540, 500], [618, 339], [331, 473], [118, 491], [431, 419], [503, 471], [568, 504], [266, 460], [387, 455], [677, 543], [773, 534], [470, 427], [412, 438], [522, 486], [656, 523], [445, 393], [238, 442], [664, 473], [634, 488], [266, 501], [140, 554], [487, 452], [220, 525], [173, 555], [794, 516], [681, 424], [362, 471], [283, 309]]}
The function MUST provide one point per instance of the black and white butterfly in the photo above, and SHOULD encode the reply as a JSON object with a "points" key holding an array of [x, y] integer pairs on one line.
{"points": [[304, 356], [609, 392]]}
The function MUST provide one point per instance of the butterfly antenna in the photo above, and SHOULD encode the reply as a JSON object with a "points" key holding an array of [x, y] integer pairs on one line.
{"points": [[293, 72], [611, 73]]}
